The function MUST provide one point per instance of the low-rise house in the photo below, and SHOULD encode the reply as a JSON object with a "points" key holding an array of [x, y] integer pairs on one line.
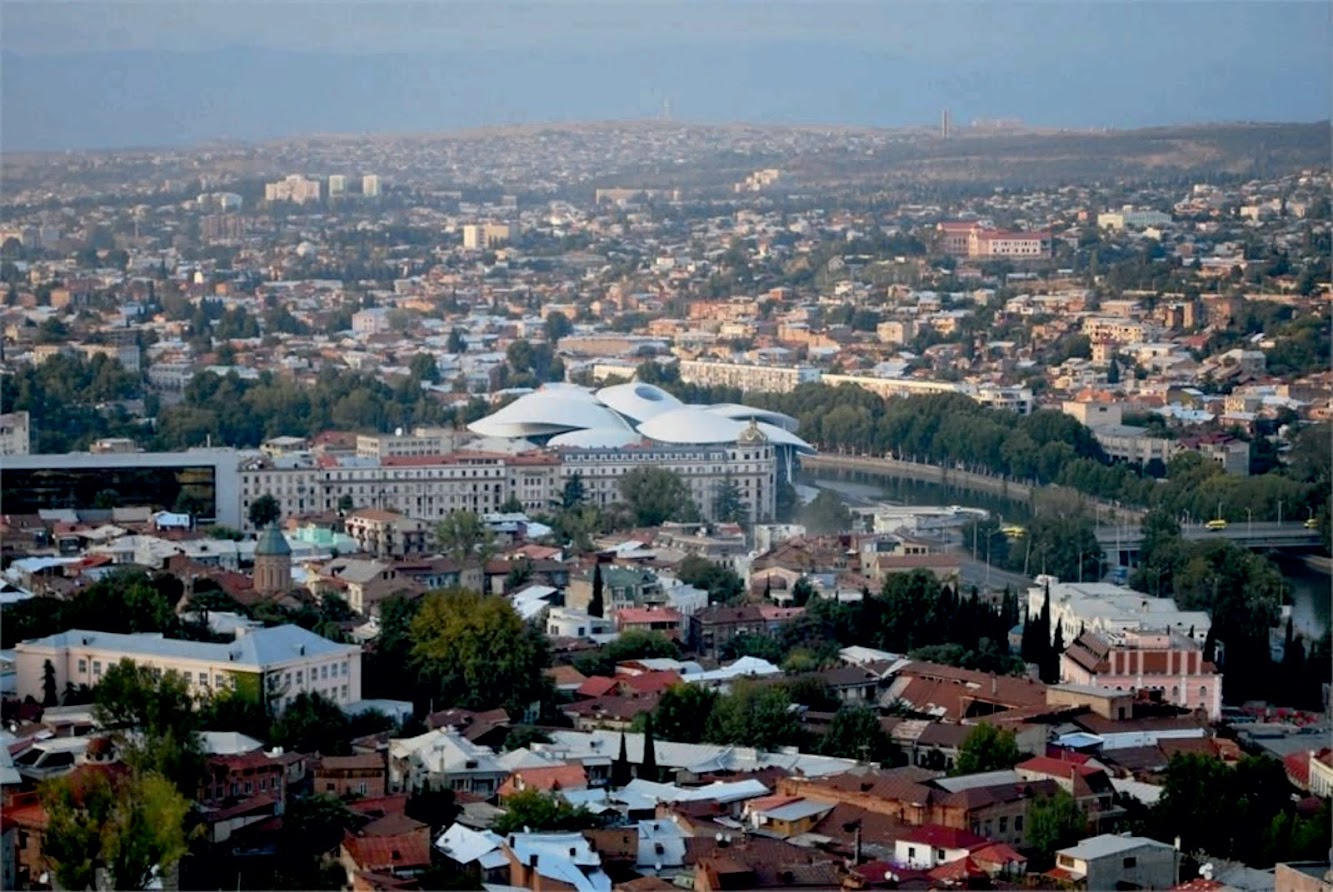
{"points": [[554, 861], [477, 853], [1109, 861], [931, 845], [447, 761], [384, 853], [349, 776], [715, 625], [663, 620], [387, 534], [785, 816]]}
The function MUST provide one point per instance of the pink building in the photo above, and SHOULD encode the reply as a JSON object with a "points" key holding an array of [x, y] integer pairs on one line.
{"points": [[1165, 662]]}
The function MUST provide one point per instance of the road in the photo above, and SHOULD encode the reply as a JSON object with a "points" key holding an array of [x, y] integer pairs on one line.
{"points": [[975, 573]]}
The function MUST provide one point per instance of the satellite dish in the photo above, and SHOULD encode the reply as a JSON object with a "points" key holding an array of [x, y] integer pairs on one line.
{"points": [[719, 836]]}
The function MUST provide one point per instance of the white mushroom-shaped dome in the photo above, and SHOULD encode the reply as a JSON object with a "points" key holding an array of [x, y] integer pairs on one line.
{"points": [[550, 410], [638, 401], [597, 438]]}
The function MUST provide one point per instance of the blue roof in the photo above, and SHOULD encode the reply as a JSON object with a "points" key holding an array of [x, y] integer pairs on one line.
{"points": [[262, 647]]}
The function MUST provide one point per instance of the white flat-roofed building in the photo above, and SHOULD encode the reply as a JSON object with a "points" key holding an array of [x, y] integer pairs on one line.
{"points": [[15, 433], [766, 378], [1112, 610], [283, 660]]}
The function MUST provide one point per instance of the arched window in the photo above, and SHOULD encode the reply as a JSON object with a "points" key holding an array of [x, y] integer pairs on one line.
{"points": [[1203, 692], [1175, 692]]}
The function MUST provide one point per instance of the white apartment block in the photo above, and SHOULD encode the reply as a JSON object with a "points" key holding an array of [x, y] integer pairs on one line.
{"points": [[763, 378], [1111, 610], [1117, 329], [479, 236], [295, 188], [752, 468], [424, 488], [431, 487], [15, 434], [370, 185], [283, 661]]}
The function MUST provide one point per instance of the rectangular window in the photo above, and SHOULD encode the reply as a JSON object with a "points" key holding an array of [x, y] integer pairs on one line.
{"points": [[203, 678], [1131, 862], [97, 667], [300, 676], [324, 671], [344, 692], [1004, 825], [83, 667], [1018, 824]]}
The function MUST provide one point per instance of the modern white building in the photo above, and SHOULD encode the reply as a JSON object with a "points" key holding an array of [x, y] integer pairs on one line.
{"points": [[15, 433], [294, 188], [370, 185], [1111, 610], [281, 662]]}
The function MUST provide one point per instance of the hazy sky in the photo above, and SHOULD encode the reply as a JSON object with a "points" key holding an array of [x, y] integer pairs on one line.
{"points": [[179, 71]]}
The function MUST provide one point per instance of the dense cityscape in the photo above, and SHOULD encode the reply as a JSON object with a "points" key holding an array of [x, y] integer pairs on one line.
{"points": [[647, 506]]}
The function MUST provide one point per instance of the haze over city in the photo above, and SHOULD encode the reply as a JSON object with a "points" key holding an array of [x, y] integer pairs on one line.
{"points": [[100, 75]]}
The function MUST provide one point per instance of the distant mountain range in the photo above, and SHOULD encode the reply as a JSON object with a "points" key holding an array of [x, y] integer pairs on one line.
{"points": [[160, 98]]}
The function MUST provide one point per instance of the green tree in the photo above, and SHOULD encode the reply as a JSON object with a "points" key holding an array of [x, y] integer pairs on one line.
{"points": [[597, 606], [754, 715], [621, 772], [464, 535], [683, 712], [723, 584], [856, 733], [656, 495], [49, 693], [423, 368], [474, 652], [987, 748], [264, 511], [648, 766], [557, 325], [572, 493], [346, 504], [456, 344], [826, 513], [152, 718], [312, 723], [729, 504], [1053, 823], [532, 809], [132, 827]]}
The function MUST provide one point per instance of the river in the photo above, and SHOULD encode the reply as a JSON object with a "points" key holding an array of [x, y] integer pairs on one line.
{"points": [[1311, 588]]}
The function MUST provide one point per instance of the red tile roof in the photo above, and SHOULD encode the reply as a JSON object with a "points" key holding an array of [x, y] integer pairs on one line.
{"points": [[939, 837], [379, 853]]}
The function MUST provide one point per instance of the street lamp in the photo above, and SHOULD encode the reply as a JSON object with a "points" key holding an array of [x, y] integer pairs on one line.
{"points": [[1249, 522]]}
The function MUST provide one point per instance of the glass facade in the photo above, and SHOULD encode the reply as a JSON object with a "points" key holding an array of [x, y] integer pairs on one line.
{"points": [[186, 488]]}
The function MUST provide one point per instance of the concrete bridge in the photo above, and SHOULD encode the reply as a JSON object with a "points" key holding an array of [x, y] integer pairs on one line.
{"points": [[1121, 543]]}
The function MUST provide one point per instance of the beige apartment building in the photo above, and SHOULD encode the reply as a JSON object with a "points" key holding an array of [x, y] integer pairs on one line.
{"points": [[764, 378], [480, 236], [423, 487], [283, 661]]}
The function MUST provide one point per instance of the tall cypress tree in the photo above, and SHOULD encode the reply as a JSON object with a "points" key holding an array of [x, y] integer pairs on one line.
{"points": [[1043, 633], [621, 774], [648, 767], [596, 607], [1057, 648], [49, 697]]}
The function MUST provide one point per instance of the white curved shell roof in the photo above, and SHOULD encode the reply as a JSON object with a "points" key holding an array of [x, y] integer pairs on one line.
{"points": [[548, 411], [597, 438], [638, 401], [738, 412], [622, 414], [691, 424]]}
